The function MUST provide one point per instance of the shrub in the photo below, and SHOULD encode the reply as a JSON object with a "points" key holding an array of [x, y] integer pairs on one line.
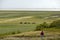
{"points": [[41, 26], [25, 22], [55, 24], [13, 32], [38, 28], [21, 22]]}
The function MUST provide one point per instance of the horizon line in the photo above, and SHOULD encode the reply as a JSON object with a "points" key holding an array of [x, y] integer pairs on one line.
{"points": [[32, 9]]}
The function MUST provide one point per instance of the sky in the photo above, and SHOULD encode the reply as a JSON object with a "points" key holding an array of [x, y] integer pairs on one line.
{"points": [[20, 4]]}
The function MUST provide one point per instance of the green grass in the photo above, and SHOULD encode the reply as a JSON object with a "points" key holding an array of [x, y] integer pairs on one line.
{"points": [[15, 27], [12, 26], [14, 14]]}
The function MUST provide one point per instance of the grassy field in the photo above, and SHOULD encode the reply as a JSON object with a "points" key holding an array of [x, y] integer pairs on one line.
{"points": [[34, 35], [10, 20]]}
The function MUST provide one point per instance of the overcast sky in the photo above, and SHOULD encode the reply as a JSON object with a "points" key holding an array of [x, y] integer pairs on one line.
{"points": [[29, 4]]}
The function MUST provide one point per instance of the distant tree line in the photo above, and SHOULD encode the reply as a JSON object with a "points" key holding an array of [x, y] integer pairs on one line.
{"points": [[54, 24], [27, 23]]}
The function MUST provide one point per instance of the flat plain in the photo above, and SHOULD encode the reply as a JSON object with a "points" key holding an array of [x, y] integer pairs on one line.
{"points": [[26, 21]]}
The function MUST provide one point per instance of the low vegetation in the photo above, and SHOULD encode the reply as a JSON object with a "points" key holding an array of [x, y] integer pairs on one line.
{"points": [[54, 24], [14, 22], [9, 33]]}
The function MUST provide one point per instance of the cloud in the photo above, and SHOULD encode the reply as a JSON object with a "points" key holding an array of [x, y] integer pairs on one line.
{"points": [[29, 4]]}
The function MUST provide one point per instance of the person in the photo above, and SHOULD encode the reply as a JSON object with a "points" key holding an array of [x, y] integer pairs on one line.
{"points": [[42, 35]]}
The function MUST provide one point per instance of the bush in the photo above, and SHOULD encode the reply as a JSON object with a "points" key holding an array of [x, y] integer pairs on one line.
{"points": [[21, 22], [13, 33], [41, 26], [44, 25], [55, 24], [38, 28], [25, 22]]}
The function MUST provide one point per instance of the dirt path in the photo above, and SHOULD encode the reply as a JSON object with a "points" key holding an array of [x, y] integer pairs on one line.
{"points": [[14, 19]]}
